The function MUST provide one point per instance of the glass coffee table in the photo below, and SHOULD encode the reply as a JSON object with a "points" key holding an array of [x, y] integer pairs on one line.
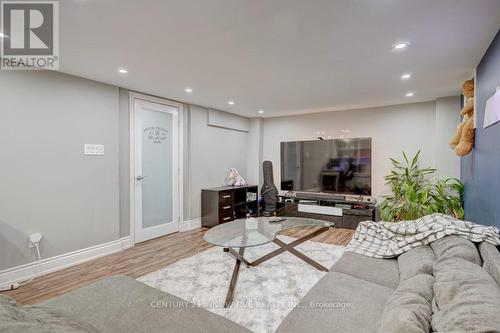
{"points": [[250, 232]]}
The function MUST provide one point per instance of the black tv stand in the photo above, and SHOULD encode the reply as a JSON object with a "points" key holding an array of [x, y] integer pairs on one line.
{"points": [[344, 213]]}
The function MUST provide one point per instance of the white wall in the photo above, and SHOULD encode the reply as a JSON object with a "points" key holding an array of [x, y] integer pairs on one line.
{"points": [[393, 129], [212, 152], [447, 118], [253, 173], [48, 185], [124, 162]]}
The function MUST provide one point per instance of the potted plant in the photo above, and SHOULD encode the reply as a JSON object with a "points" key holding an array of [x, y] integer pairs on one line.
{"points": [[415, 195]]}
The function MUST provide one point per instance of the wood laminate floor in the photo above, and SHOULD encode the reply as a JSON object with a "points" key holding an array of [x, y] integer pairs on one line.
{"points": [[139, 260]]}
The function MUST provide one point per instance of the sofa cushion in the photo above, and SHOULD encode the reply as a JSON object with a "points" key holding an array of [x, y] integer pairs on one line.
{"points": [[454, 246], [409, 308], [384, 272], [338, 303], [31, 319], [491, 259], [467, 298], [416, 261], [121, 304]]}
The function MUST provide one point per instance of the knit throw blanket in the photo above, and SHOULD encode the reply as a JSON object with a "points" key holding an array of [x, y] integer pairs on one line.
{"points": [[390, 239]]}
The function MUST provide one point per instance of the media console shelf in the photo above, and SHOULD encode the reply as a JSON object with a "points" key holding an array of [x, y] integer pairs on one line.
{"points": [[345, 214], [227, 203]]}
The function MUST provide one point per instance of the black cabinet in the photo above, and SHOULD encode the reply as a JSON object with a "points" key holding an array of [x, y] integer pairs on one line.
{"points": [[227, 203]]}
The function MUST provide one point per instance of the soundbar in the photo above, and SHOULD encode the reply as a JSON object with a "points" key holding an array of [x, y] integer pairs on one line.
{"points": [[317, 196], [317, 209]]}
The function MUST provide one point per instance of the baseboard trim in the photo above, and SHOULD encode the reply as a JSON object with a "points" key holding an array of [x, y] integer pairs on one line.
{"points": [[48, 265], [190, 225], [126, 242]]}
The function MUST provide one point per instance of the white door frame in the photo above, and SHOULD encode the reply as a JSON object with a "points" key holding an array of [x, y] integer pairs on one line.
{"points": [[132, 98]]}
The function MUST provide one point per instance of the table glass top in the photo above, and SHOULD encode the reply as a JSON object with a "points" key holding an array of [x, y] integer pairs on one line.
{"points": [[256, 231]]}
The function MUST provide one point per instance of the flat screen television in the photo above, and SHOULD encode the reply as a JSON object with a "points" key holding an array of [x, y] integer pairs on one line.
{"points": [[340, 166]]}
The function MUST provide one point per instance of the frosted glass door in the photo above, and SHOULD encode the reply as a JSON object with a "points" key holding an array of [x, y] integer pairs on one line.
{"points": [[156, 170]]}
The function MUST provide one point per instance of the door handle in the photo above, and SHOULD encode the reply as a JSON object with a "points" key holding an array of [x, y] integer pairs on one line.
{"points": [[139, 178]]}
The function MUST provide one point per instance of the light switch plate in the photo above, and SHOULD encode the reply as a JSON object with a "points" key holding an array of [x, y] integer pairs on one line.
{"points": [[93, 149]]}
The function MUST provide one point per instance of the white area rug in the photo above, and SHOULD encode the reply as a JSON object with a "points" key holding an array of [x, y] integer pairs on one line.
{"points": [[264, 294]]}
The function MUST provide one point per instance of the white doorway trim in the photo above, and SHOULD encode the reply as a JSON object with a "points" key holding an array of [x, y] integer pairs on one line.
{"points": [[132, 98]]}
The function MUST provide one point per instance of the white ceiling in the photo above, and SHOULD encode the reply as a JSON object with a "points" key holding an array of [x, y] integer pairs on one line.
{"points": [[281, 56]]}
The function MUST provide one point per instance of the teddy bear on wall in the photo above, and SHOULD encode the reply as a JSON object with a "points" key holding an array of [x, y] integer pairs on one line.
{"points": [[463, 141]]}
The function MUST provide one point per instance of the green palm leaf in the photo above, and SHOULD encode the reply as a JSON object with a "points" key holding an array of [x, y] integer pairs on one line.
{"points": [[415, 195]]}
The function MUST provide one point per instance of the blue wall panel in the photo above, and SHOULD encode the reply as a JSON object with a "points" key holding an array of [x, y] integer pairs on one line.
{"points": [[480, 170]]}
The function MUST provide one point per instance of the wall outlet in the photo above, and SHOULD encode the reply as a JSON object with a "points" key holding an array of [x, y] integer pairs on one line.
{"points": [[34, 239]]}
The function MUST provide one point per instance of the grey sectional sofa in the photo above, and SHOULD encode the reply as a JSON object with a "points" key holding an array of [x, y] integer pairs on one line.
{"points": [[447, 286]]}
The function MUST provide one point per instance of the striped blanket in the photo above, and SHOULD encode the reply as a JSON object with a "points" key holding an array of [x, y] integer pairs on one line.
{"points": [[390, 239]]}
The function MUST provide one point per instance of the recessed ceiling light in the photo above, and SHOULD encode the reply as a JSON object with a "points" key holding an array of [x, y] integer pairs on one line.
{"points": [[2, 35], [261, 111], [410, 94], [123, 71], [400, 45], [406, 76], [230, 102], [188, 90]]}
